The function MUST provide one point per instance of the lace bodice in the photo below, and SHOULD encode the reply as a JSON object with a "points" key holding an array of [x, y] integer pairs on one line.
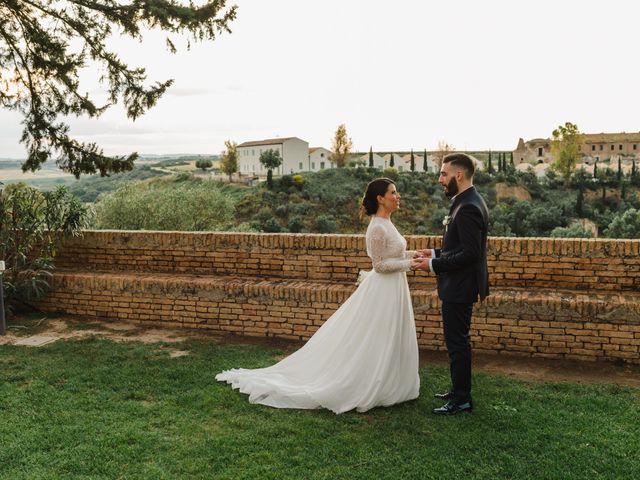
{"points": [[386, 247]]}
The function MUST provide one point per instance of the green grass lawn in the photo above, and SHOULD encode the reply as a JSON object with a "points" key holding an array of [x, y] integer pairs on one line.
{"points": [[96, 409]]}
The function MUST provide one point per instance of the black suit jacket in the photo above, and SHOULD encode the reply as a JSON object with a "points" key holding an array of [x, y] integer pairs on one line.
{"points": [[461, 263]]}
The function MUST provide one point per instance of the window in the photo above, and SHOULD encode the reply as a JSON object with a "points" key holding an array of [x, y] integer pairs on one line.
{"points": [[601, 147], [612, 147], [300, 168], [620, 147], [313, 165], [321, 164], [593, 148], [253, 153], [634, 146], [539, 151]]}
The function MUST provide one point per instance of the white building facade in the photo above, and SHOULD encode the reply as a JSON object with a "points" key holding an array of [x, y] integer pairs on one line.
{"points": [[319, 159], [293, 151], [378, 161]]}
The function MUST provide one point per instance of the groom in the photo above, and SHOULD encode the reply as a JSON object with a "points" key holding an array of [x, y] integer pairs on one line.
{"points": [[461, 269]]}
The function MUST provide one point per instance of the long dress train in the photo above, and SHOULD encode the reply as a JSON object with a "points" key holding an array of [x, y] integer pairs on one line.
{"points": [[365, 355]]}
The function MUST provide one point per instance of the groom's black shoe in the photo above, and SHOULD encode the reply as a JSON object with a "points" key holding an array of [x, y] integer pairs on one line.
{"points": [[444, 396], [451, 408]]}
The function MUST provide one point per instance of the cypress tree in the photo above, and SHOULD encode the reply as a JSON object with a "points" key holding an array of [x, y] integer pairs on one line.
{"points": [[425, 166], [413, 162], [580, 202], [619, 170], [392, 163], [489, 166], [370, 157]]}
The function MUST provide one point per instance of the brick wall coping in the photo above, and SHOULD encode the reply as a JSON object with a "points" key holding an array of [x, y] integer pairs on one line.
{"points": [[497, 245]]}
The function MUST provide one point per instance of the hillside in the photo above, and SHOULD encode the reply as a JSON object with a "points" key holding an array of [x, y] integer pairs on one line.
{"points": [[328, 202]]}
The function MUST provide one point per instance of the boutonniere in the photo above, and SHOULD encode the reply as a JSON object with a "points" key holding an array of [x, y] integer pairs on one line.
{"points": [[446, 221]]}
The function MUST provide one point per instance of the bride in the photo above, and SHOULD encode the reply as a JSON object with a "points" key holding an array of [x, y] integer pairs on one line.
{"points": [[366, 354]]}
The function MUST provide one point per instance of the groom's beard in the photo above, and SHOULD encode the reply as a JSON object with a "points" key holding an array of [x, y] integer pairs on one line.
{"points": [[451, 188]]}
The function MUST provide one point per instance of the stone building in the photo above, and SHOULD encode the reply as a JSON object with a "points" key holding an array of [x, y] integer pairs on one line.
{"points": [[594, 147]]}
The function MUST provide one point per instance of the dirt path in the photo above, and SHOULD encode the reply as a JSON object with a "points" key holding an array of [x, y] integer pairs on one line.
{"points": [[531, 369]]}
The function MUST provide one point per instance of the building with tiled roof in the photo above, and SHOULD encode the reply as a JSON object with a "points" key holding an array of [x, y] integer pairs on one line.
{"points": [[319, 159], [296, 156], [594, 147]]}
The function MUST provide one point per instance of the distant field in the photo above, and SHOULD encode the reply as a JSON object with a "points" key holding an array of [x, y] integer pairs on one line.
{"points": [[50, 175], [18, 175]]}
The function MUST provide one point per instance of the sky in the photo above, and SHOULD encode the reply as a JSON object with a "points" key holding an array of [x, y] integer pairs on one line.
{"points": [[400, 75]]}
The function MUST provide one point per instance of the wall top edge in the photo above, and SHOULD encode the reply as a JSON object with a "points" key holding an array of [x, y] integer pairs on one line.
{"points": [[171, 233]]}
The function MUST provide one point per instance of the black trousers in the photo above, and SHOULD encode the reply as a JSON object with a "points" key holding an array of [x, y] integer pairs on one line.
{"points": [[456, 319]]}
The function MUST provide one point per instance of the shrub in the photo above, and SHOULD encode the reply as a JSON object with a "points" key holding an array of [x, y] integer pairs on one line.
{"points": [[282, 211], [625, 225], [325, 224], [31, 225], [573, 231], [270, 225], [298, 181], [296, 224], [179, 204], [301, 208]]}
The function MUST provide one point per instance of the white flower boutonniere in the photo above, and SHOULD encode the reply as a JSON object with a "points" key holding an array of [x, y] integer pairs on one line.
{"points": [[446, 221]]}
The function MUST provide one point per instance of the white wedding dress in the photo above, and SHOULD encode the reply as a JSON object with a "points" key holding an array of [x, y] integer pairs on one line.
{"points": [[365, 355]]}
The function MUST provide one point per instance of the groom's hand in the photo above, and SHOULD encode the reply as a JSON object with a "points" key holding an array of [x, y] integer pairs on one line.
{"points": [[426, 253], [421, 263]]}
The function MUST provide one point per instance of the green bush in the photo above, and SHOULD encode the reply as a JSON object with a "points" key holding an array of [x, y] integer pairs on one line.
{"points": [[296, 224], [271, 225], [179, 204], [282, 211], [301, 208], [325, 224], [31, 225], [625, 225], [573, 231]]}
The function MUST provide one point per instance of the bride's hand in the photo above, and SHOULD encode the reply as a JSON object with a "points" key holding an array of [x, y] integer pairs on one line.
{"points": [[417, 263], [421, 263], [426, 253]]}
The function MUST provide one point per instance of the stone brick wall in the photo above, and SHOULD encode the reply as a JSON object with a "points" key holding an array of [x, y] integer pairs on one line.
{"points": [[577, 299]]}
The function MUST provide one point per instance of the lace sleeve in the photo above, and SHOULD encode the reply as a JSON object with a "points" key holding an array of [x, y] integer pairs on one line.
{"points": [[408, 254], [376, 246]]}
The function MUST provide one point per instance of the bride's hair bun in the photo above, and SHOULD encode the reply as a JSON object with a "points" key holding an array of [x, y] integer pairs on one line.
{"points": [[375, 187]]}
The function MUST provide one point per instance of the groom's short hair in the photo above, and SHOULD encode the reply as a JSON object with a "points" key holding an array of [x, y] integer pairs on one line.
{"points": [[463, 161]]}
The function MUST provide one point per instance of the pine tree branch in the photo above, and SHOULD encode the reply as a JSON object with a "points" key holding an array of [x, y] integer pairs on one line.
{"points": [[35, 39]]}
